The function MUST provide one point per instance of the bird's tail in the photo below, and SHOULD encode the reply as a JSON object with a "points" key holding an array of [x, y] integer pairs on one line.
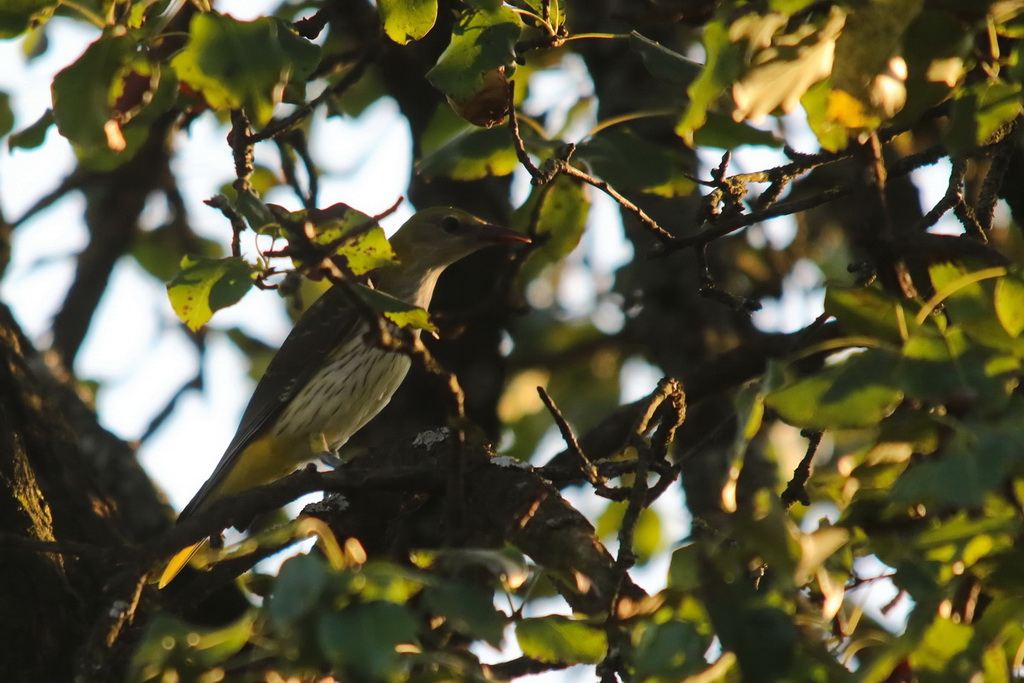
{"points": [[178, 562]]}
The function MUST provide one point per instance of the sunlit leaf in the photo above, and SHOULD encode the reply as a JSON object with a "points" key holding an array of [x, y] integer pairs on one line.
{"points": [[407, 20], [782, 73], [170, 644], [856, 392], [244, 64], [627, 161], [870, 311], [472, 154], [395, 310], [205, 286], [723, 65], [562, 640], [647, 539], [980, 110], [473, 69], [356, 236], [556, 225], [1009, 302], [17, 16]]}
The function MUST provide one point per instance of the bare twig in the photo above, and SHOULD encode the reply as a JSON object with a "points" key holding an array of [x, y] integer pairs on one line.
{"points": [[279, 126], [795, 490], [589, 471], [221, 203]]}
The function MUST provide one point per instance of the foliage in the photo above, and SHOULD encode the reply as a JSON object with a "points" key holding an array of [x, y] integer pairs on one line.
{"points": [[896, 416]]}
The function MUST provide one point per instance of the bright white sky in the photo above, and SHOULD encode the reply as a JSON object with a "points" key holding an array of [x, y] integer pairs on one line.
{"points": [[136, 347]]}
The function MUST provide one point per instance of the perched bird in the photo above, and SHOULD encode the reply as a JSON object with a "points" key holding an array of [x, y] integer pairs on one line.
{"points": [[327, 381]]}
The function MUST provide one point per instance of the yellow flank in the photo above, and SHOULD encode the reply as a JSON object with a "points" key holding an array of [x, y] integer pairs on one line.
{"points": [[258, 464], [265, 460]]}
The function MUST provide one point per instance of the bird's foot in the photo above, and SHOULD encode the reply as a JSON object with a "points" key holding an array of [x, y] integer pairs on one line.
{"points": [[331, 459]]}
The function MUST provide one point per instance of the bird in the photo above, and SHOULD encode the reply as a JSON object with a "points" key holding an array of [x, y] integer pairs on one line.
{"points": [[327, 380]]}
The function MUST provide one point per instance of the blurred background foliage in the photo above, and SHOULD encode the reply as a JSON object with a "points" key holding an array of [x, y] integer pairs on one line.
{"points": [[845, 496]]}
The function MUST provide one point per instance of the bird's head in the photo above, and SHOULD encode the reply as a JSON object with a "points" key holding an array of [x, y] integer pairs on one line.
{"points": [[438, 237]]}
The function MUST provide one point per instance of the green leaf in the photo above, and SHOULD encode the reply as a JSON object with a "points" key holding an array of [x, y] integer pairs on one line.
{"points": [[948, 366], [483, 41], [974, 464], [857, 392], [6, 115], [662, 62], [561, 640], [207, 285], [105, 102], [672, 651], [980, 110], [969, 299], [185, 650], [364, 249], [297, 591], [1009, 302], [556, 226], [647, 538], [469, 610], [364, 637], [627, 161], [396, 310], [870, 37], [832, 136], [724, 64], [34, 135], [684, 568], [244, 64], [942, 642], [407, 20], [159, 251], [555, 9], [82, 93], [17, 16], [936, 47], [722, 132], [782, 73], [870, 311], [473, 154]]}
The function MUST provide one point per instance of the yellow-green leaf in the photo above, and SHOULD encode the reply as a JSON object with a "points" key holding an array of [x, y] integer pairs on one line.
{"points": [[407, 20], [561, 640], [207, 285], [396, 310]]}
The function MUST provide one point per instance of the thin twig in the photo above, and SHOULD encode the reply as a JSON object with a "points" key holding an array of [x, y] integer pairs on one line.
{"points": [[221, 203], [559, 164], [795, 490], [280, 126], [586, 466]]}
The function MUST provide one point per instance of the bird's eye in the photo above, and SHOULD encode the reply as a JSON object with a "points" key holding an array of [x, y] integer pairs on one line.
{"points": [[450, 224]]}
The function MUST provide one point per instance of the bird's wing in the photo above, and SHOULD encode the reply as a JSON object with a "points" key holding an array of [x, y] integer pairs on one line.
{"points": [[322, 328]]}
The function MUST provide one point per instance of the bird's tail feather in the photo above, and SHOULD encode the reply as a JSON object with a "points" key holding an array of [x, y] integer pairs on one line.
{"points": [[178, 562]]}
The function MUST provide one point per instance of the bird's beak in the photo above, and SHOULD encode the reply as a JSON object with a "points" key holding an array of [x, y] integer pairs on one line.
{"points": [[495, 234]]}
